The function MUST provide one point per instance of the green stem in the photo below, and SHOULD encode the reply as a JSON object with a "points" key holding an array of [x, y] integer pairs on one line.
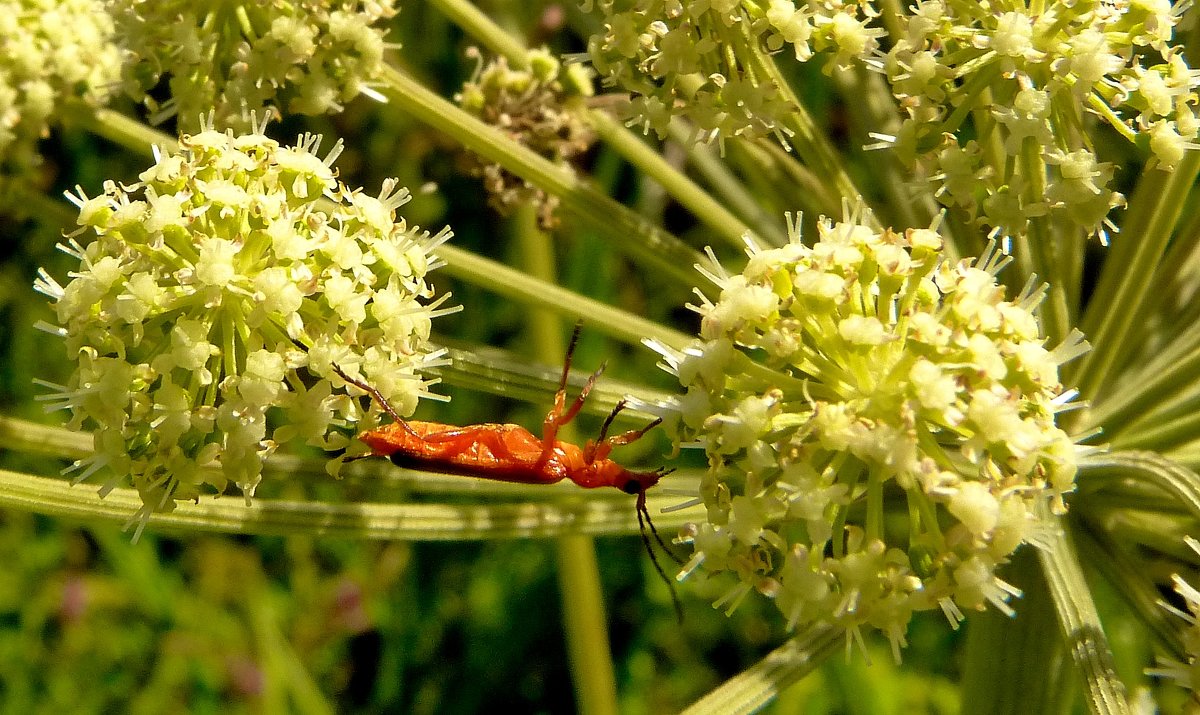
{"points": [[583, 616], [1145, 468], [753, 688], [1129, 579], [1015, 665], [621, 226], [1128, 270], [527, 289], [1160, 435], [122, 130], [1133, 402], [1080, 623], [730, 189], [410, 522], [695, 199], [578, 573], [1042, 245], [475, 23]]}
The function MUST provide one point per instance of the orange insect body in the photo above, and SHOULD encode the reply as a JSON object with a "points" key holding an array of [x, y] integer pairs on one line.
{"points": [[504, 452], [510, 453]]}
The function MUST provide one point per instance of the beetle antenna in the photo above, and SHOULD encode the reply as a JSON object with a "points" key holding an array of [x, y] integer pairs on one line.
{"points": [[643, 515], [370, 390], [642, 509], [562, 383]]}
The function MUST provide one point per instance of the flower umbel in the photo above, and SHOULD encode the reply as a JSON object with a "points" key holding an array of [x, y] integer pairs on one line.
{"points": [[51, 51], [701, 60], [238, 59], [1026, 82], [218, 292], [896, 379], [538, 107]]}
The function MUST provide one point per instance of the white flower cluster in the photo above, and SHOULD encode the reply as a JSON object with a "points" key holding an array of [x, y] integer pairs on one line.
{"points": [[51, 51], [893, 445], [1045, 72], [303, 56], [218, 292], [538, 107], [698, 58]]}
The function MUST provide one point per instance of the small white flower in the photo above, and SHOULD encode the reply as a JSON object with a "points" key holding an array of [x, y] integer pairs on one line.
{"points": [[897, 370], [188, 330]]}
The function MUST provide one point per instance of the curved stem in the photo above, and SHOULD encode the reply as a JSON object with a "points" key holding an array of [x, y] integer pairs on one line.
{"points": [[695, 199], [1080, 623], [753, 688], [413, 522]]}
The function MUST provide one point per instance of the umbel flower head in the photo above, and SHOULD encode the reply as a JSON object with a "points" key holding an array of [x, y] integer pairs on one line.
{"points": [[895, 439], [218, 292], [539, 107], [1048, 69], [51, 51], [238, 59], [701, 60]]}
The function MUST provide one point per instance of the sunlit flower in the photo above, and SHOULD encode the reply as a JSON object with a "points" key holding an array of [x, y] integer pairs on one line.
{"points": [[304, 56], [1049, 70], [51, 52], [215, 297], [700, 60], [899, 446]]}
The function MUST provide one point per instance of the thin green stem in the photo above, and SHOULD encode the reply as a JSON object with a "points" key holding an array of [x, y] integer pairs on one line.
{"points": [[578, 573], [122, 130], [620, 226], [695, 199], [1145, 468], [1126, 280], [475, 23], [1042, 245], [1133, 402], [1160, 435], [583, 615], [731, 190], [527, 289]]}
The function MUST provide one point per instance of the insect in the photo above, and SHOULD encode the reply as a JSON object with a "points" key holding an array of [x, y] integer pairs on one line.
{"points": [[511, 453]]}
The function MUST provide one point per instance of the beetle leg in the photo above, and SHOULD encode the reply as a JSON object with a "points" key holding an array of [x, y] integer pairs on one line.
{"points": [[601, 447], [560, 414]]}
